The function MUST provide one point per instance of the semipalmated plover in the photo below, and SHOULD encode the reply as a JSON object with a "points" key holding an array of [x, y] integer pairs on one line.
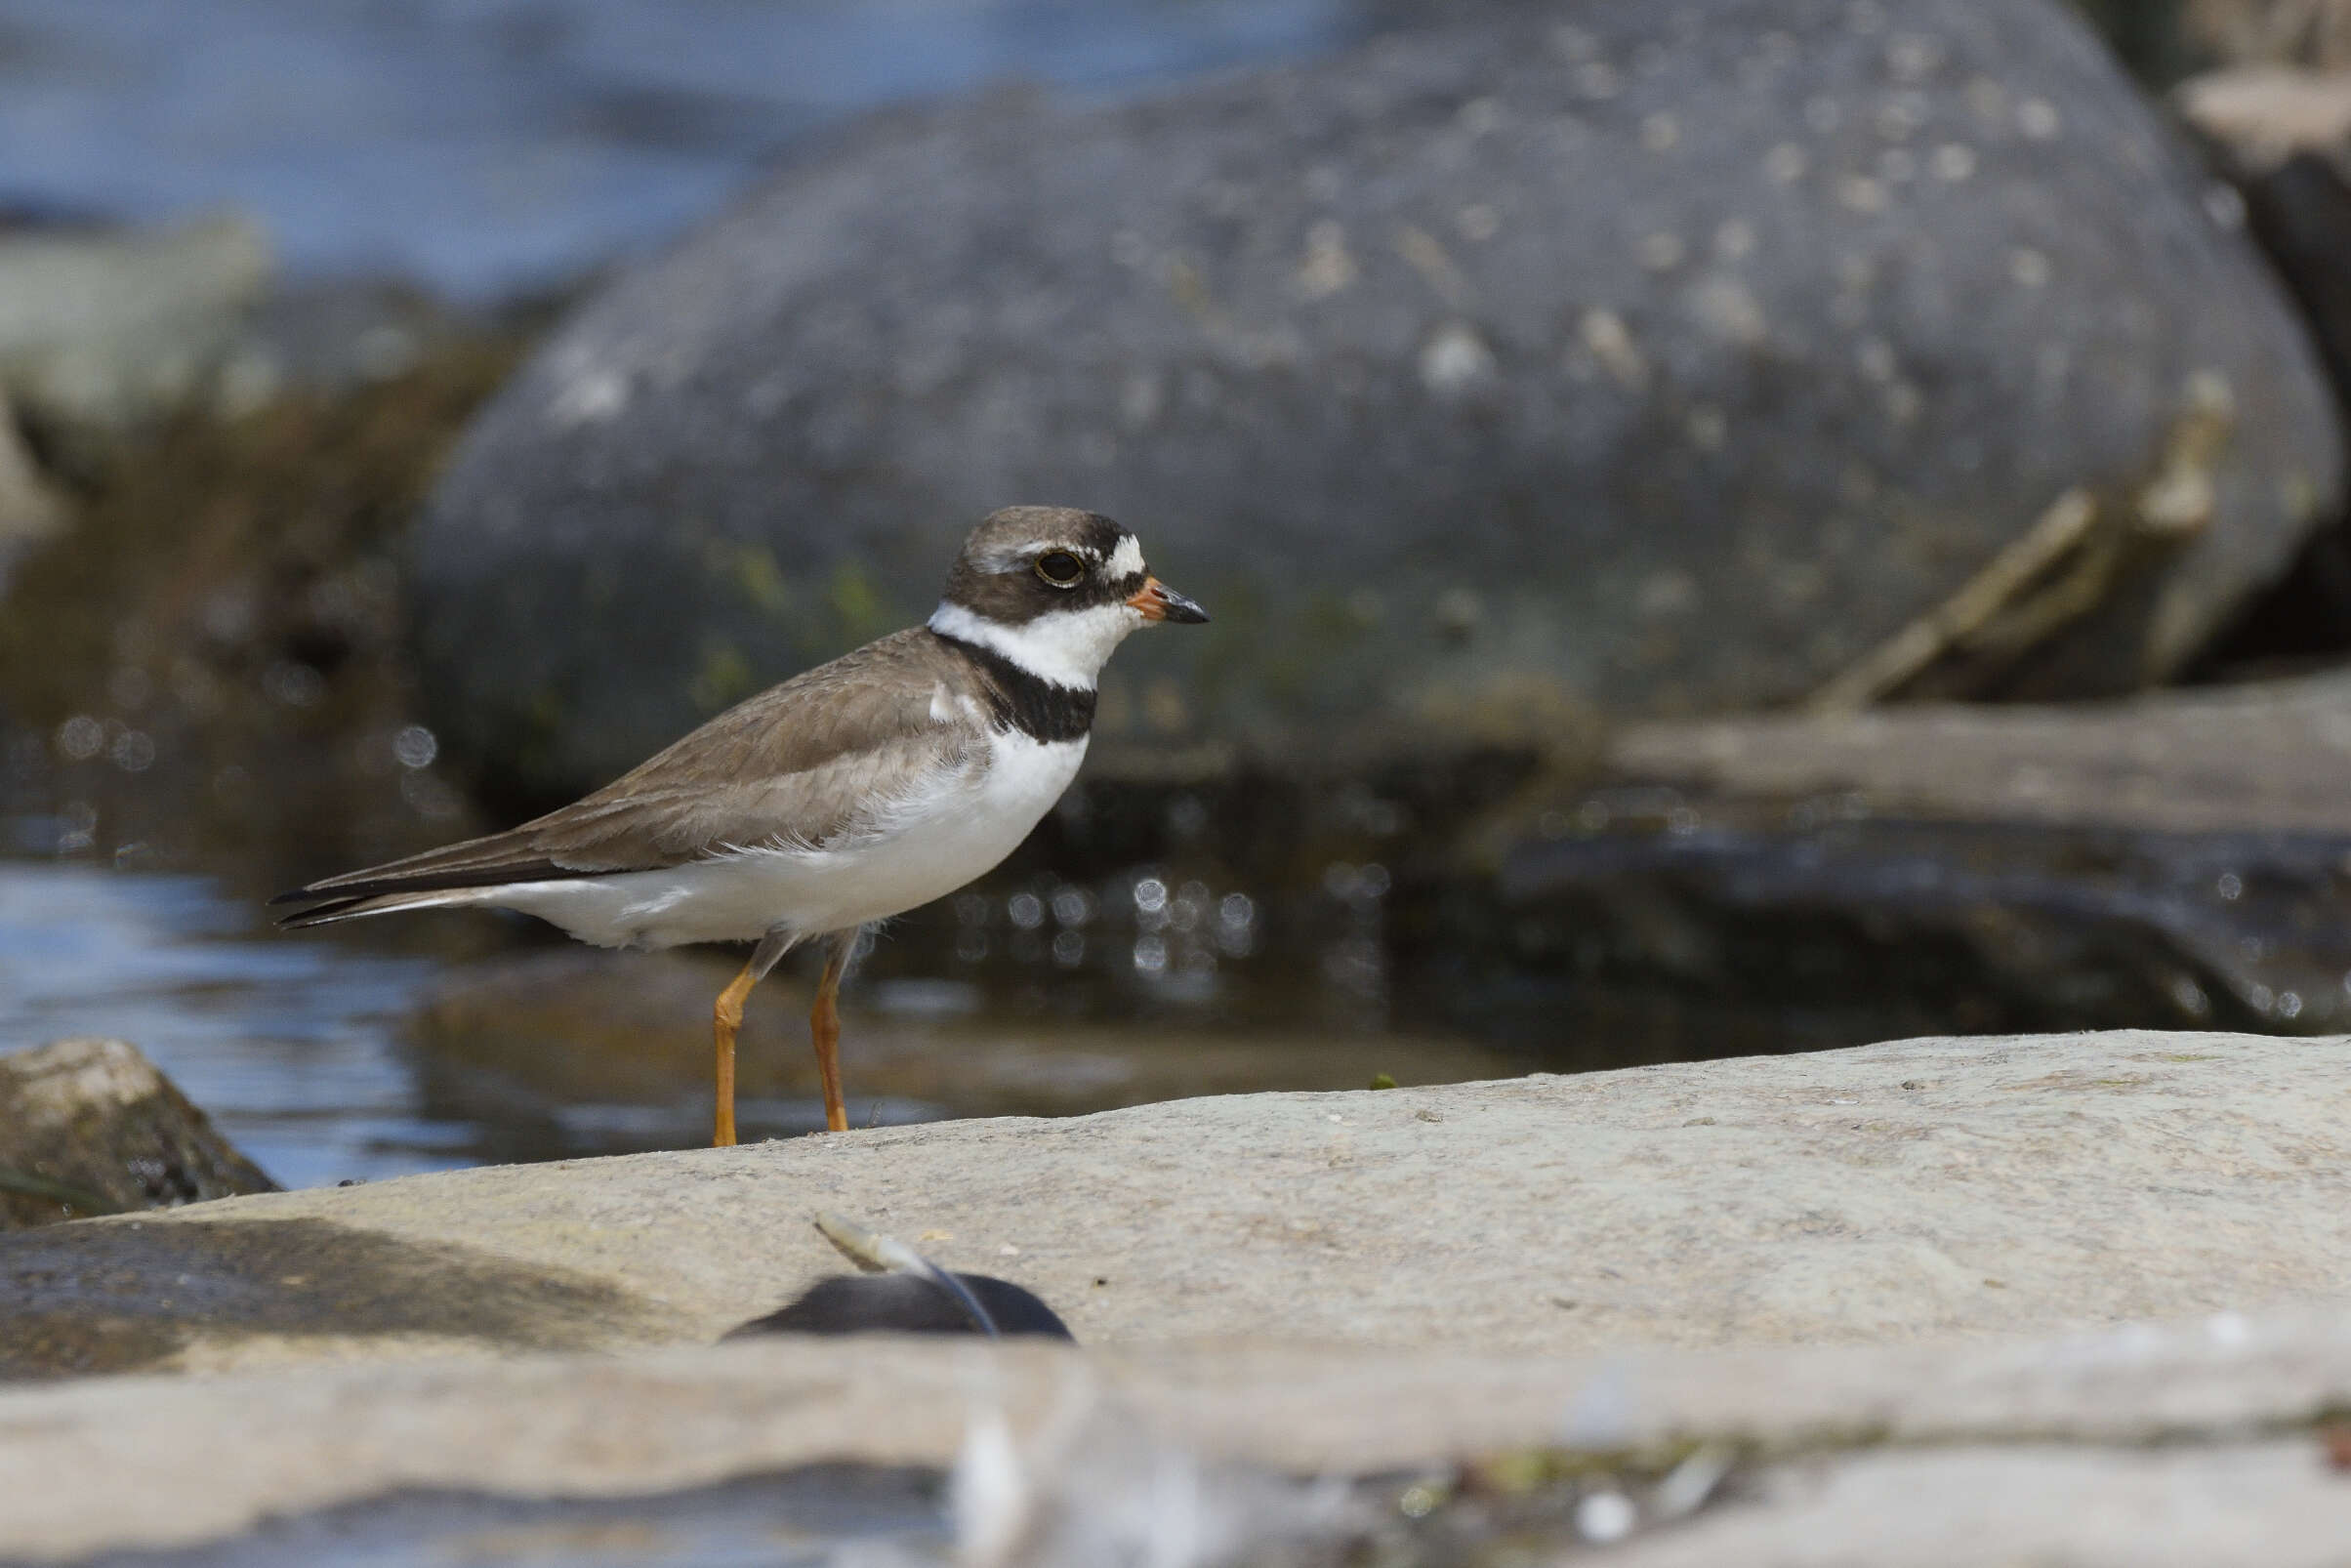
{"points": [[849, 794]]}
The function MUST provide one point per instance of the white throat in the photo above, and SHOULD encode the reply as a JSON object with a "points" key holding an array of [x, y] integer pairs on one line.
{"points": [[1067, 648]]}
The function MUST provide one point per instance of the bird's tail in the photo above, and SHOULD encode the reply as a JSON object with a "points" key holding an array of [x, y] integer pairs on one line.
{"points": [[366, 905]]}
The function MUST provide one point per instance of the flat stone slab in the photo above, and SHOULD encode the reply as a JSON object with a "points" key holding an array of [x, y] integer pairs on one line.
{"points": [[2199, 1442], [1915, 1191], [2265, 758]]}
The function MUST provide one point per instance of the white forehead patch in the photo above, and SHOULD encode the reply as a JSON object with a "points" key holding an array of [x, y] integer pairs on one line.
{"points": [[1127, 561]]}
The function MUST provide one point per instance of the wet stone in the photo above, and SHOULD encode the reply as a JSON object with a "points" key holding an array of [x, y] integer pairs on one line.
{"points": [[1777, 881], [90, 1127], [1793, 925]]}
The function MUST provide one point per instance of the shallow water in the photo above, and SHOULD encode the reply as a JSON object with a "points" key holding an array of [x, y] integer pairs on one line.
{"points": [[1647, 927], [291, 1047], [452, 1038], [489, 145]]}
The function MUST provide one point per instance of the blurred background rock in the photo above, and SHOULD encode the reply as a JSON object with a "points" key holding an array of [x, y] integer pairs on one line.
{"points": [[414, 414], [91, 1128]]}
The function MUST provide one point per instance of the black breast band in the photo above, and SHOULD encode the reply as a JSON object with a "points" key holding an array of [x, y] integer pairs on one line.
{"points": [[1022, 699]]}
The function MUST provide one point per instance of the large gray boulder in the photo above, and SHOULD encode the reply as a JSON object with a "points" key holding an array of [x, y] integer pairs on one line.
{"points": [[1656, 358]]}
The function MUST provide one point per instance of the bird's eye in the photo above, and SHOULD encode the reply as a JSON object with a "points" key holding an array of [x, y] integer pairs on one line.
{"points": [[1060, 568]]}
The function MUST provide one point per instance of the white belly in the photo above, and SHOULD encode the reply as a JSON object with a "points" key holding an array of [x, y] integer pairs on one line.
{"points": [[956, 827]]}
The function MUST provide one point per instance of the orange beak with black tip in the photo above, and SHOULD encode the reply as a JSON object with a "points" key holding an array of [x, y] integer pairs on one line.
{"points": [[1158, 603]]}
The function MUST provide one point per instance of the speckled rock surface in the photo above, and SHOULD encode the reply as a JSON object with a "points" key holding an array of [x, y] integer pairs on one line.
{"points": [[1650, 359], [1906, 1191]]}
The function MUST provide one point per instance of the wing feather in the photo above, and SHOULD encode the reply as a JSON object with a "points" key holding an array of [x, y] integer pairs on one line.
{"points": [[804, 763]]}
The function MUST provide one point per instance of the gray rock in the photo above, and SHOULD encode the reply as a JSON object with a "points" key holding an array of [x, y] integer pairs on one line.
{"points": [[90, 1127], [2284, 138], [1767, 882], [1570, 356], [103, 330], [336, 336], [30, 510], [1909, 1191], [1551, 1289]]}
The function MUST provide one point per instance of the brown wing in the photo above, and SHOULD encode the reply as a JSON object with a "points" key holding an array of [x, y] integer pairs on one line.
{"points": [[801, 763]]}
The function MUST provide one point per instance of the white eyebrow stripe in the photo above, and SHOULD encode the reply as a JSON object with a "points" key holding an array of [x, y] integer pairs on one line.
{"points": [[1127, 561]]}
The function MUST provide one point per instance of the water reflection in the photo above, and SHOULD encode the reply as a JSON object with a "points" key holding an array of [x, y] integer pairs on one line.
{"points": [[1180, 941], [1633, 924], [289, 1046], [365, 1053]]}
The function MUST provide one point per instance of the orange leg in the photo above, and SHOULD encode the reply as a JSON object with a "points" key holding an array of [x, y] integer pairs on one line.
{"points": [[824, 1029], [727, 1017]]}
